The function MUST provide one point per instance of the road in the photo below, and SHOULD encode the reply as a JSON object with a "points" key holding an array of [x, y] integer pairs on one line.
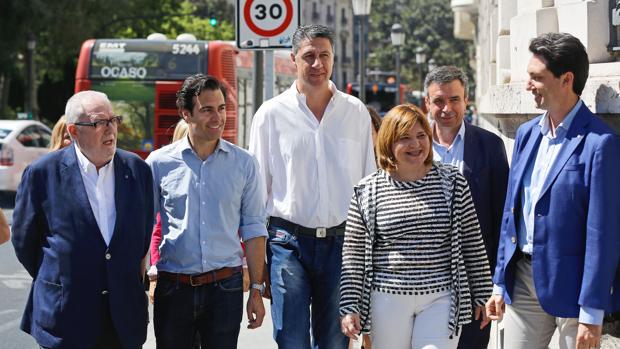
{"points": [[15, 285]]}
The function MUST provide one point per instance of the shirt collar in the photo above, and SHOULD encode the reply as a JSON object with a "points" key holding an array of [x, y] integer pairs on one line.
{"points": [[85, 165], [460, 136], [560, 131], [302, 97], [222, 145]]}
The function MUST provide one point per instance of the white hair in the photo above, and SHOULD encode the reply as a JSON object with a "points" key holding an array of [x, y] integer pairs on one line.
{"points": [[75, 108]]}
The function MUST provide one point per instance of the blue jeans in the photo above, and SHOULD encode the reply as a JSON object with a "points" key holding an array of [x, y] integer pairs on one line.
{"points": [[305, 271], [213, 310]]}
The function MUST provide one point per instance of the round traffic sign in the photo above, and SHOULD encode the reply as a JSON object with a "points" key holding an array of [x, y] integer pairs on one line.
{"points": [[273, 12]]}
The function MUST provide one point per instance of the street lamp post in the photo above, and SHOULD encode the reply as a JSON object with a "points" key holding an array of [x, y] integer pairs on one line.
{"points": [[398, 39], [361, 9], [31, 100], [420, 58]]}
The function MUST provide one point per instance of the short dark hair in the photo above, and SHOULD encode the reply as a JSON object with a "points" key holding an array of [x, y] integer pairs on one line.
{"points": [[563, 53], [193, 86], [445, 74], [310, 32]]}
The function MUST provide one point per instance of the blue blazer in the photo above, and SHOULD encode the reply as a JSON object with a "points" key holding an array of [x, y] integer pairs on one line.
{"points": [[485, 167], [57, 239], [577, 224]]}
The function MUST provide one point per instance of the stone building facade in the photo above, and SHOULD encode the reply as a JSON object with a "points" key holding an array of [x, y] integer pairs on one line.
{"points": [[501, 31]]}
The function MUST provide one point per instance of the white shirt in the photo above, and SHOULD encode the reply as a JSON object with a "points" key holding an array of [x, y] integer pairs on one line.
{"points": [[100, 191], [452, 154], [309, 167]]}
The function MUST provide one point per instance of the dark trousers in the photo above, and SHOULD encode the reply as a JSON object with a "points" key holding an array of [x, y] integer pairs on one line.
{"points": [[213, 310], [472, 337]]}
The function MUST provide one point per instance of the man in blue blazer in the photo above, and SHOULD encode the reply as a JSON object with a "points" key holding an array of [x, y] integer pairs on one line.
{"points": [[81, 228], [557, 264], [480, 156]]}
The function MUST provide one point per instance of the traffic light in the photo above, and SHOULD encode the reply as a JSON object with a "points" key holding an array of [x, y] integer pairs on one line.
{"points": [[213, 21]]}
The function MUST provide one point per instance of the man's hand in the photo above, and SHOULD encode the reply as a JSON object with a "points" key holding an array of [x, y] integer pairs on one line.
{"points": [[152, 285], [350, 325], [255, 309], [588, 336], [494, 310], [481, 312]]}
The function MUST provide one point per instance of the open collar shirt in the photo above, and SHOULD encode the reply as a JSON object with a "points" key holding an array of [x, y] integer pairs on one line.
{"points": [[206, 207], [452, 154], [99, 187], [309, 167]]}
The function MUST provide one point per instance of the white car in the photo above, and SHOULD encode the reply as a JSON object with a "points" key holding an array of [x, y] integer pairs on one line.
{"points": [[21, 142]]}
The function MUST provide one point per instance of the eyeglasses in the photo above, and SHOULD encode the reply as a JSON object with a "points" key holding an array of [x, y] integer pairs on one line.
{"points": [[115, 120]]}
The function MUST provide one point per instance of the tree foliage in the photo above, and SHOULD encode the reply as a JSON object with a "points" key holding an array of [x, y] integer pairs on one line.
{"points": [[428, 24]]}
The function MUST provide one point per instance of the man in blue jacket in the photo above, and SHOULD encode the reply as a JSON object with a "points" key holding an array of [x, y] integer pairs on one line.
{"points": [[81, 228], [480, 156], [557, 262]]}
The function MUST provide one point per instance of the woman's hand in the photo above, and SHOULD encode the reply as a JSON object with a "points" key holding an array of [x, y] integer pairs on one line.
{"points": [[350, 325]]}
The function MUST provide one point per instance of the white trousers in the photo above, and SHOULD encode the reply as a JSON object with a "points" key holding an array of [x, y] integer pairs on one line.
{"points": [[526, 324], [416, 322]]}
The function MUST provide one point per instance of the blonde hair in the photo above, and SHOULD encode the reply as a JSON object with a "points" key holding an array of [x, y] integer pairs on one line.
{"points": [[180, 130], [397, 123], [58, 134]]}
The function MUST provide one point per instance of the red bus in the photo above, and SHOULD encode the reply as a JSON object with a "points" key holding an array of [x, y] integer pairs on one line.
{"points": [[141, 78]]}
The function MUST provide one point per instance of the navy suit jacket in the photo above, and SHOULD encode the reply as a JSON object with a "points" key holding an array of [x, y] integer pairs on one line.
{"points": [[57, 239], [485, 167], [577, 222]]}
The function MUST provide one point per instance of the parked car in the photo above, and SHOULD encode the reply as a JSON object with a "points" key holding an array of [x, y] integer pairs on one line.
{"points": [[21, 142]]}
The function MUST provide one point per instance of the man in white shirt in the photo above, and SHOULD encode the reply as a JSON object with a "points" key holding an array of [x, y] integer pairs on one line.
{"points": [[313, 144], [82, 225]]}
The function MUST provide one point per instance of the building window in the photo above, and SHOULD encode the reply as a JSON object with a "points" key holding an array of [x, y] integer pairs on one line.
{"points": [[330, 16], [343, 16], [315, 12]]}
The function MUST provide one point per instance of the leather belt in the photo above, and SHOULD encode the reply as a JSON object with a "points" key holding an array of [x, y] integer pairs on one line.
{"points": [[297, 229], [201, 279]]}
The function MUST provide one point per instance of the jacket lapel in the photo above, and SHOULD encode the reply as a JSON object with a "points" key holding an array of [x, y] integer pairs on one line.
{"points": [[574, 137], [533, 141], [123, 177], [470, 163], [72, 181]]}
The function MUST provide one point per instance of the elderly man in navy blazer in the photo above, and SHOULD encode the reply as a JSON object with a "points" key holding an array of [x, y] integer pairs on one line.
{"points": [[81, 228], [479, 155], [557, 264]]}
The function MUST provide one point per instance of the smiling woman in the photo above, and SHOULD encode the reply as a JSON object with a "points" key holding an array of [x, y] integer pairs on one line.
{"points": [[413, 247]]}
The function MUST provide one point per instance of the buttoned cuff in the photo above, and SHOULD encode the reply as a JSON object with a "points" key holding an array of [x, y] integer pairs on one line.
{"points": [[498, 290], [591, 316]]}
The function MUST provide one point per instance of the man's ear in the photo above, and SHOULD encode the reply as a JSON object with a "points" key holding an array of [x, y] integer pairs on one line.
{"points": [[185, 114], [72, 129]]}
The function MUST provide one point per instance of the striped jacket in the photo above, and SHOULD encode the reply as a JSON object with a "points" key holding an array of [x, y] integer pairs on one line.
{"points": [[470, 274]]}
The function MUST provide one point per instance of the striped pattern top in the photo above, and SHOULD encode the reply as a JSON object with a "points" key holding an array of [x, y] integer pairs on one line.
{"points": [[414, 238]]}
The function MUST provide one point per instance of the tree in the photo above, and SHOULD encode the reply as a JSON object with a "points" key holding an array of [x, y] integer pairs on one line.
{"points": [[428, 24]]}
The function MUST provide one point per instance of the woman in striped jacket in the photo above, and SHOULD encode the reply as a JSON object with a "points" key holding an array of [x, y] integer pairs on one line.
{"points": [[413, 258]]}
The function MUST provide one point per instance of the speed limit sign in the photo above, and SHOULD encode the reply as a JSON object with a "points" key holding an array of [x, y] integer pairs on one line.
{"points": [[266, 24]]}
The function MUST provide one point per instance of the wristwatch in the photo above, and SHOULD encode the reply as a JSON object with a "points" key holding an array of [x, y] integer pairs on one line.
{"points": [[259, 287]]}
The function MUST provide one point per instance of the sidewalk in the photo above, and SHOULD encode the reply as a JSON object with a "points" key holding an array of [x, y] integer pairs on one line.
{"points": [[259, 338]]}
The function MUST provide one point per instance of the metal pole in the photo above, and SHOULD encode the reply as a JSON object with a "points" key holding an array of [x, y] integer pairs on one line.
{"points": [[398, 97], [362, 94], [269, 74], [421, 78], [31, 101], [257, 98]]}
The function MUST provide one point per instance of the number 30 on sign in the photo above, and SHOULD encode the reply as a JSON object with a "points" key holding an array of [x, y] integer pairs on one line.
{"points": [[266, 24]]}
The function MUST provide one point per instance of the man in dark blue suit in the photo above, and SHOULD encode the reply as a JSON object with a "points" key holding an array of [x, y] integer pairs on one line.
{"points": [[480, 156], [81, 228], [557, 264]]}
